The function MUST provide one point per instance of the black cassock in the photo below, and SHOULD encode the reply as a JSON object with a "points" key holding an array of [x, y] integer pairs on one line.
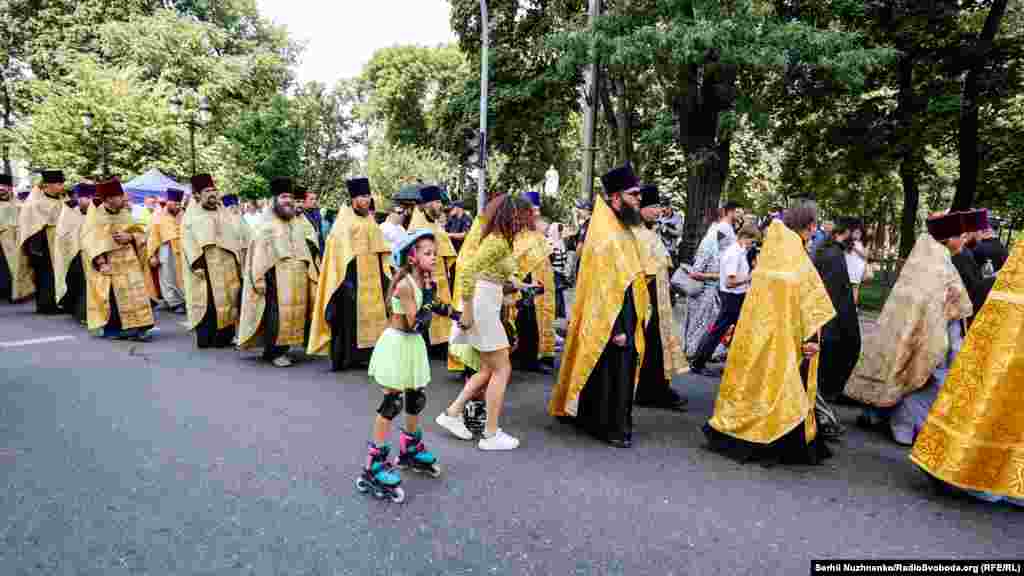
{"points": [[653, 389], [527, 353], [207, 334], [840, 337], [342, 316], [977, 286], [6, 280], [73, 301], [39, 258], [605, 407]]}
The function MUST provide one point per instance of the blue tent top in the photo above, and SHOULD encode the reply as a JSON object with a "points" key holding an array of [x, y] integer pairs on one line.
{"points": [[152, 183]]}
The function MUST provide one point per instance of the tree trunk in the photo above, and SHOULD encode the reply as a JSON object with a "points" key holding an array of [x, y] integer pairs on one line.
{"points": [[8, 113], [908, 164], [710, 92], [911, 202], [967, 141]]}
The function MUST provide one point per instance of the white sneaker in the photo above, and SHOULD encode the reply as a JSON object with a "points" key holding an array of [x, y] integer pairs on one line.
{"points": [[282, 361], [500, 441], [454, 425]]}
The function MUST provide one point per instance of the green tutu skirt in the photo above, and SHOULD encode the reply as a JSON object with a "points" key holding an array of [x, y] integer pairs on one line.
{"points": [[399, 361]]}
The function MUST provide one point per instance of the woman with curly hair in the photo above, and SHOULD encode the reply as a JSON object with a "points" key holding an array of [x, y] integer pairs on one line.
{"points": [[488, 276]]}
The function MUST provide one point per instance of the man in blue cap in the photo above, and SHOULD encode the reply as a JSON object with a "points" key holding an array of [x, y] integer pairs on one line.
{"points": [[37, 237]]}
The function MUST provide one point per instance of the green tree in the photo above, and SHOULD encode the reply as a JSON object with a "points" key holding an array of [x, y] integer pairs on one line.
{"points": [[331, 130], [713, 62], [406, 87], [390, 166], [267, 144], [132, 125]]}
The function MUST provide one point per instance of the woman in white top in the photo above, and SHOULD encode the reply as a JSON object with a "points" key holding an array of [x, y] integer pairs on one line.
{"points": [[856, 261]]}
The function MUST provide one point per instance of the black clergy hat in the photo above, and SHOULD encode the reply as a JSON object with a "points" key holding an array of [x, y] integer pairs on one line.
{"points": [[109, 188], [280, 186], [649, 196], [84, 190], [358, 187], [201, 182], [52, 176], [620, 179], [946, 226], [429, 193], [6, 180]]}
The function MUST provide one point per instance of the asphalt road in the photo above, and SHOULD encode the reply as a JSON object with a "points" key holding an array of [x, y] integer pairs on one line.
{"points": [[154, 458]]}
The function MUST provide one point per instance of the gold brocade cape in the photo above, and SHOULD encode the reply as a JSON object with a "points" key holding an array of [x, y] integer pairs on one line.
{"points": [[215, 235], [440, 326], [278, 244], [762, 397], [610, 264], [313, 238], [531, 252], [69, 244], [129, 277], [911, 339], [974, 435], [39, 212], [21, 273], [359, 238], [462, 355], [164, 228], [657, 264]]}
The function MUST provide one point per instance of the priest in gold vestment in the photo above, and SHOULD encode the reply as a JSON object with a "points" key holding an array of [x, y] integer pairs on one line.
{"points": [[663, 356], [427, 216], [279, 281], [605, 341], [765, 405], [118, 281], [212, 248], [350, 311], [905, 362], [164, 251], [534, 316], [974, 436], [16, 280], [37, 239], [70, 274]]}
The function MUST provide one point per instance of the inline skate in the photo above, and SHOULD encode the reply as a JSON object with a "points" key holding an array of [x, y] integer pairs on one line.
{"points": [[378, 477], [474, 415], [415, 456]]}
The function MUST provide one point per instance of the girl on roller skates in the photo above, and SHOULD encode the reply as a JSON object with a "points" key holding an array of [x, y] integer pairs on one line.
{"points": [[399, 364]]}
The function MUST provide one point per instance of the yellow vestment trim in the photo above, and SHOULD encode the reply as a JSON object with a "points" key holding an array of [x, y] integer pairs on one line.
{"points": [[611, 263], [212, 234], [974, 435], [762, 396], [129, 277], [911, 339], [352, 237]]}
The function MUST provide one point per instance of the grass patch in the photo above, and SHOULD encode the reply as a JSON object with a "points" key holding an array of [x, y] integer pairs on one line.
{"points": [[873, 295]]}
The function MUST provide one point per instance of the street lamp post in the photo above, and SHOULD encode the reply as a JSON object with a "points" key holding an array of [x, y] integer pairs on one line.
{"points": [[88, 121], [193, 121], [481, 198]]}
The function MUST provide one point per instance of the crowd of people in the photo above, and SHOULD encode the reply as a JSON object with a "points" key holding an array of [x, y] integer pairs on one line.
{"points": [[384, 293]]}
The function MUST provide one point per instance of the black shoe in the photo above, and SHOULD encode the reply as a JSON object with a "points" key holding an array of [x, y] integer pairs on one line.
{"points": [[701, 371], [620, 442]]}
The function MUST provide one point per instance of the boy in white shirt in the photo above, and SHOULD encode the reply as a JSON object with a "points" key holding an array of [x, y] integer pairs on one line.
{"points": [[733, 283]]}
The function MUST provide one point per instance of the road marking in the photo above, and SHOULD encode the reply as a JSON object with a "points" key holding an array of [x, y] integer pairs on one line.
{"points": [[35, 341]]}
